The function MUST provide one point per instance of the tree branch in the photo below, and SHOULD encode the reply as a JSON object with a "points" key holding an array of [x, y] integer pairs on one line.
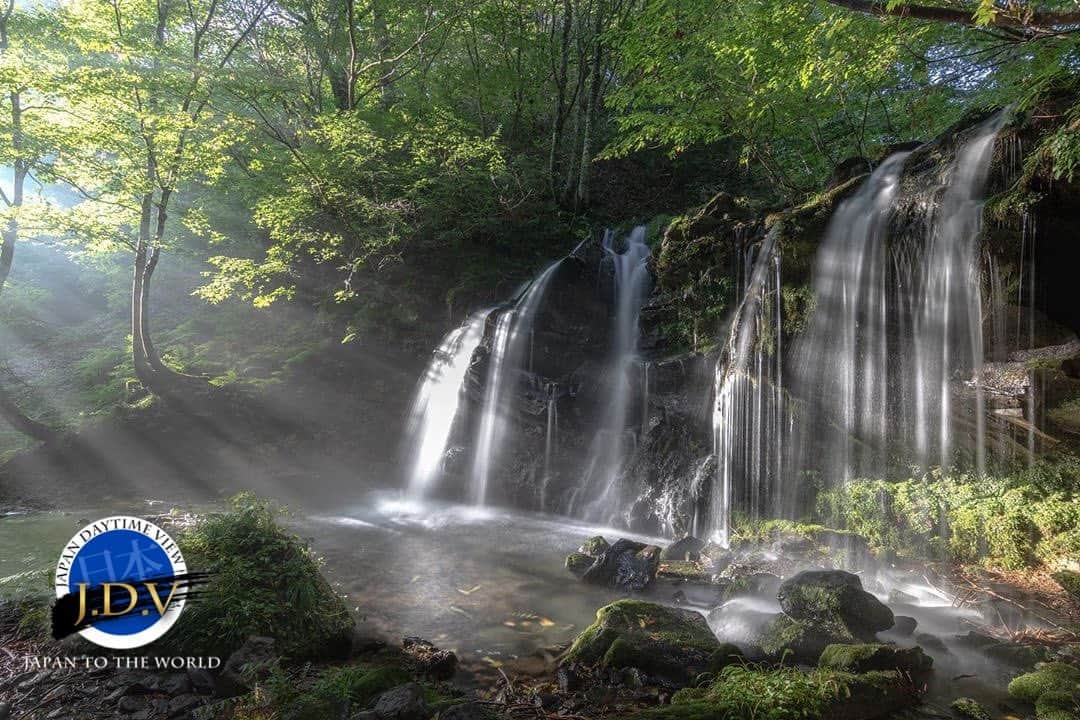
{"points": [[1041, 21]]}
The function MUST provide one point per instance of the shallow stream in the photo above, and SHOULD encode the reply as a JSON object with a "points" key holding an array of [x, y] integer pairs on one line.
{"points": [[490, 584]]}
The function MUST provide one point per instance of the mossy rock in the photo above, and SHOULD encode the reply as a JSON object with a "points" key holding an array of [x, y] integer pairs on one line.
{"points": [[1051, 677], [831, 597], [673, 643], [1058, 705], [594, 546], [969, 708], [578, 563], [750, 693], [867, 657], [805, 641]]}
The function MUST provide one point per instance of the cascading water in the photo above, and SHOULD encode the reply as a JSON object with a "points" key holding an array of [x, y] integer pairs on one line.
{"points": [[748, 414], [511, 342], [551, 435], [612, 443], [437, 400], [842, 360], [897, 323]]}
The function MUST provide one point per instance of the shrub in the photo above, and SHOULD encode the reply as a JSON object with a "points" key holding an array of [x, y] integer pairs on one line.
{"points": [[264, 581], [1009, 522]]}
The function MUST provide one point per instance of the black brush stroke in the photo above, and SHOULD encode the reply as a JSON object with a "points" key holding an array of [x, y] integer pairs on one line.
{"points": [[65, 611]]}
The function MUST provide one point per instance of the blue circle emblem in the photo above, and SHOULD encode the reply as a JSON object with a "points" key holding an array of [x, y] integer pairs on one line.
{"points": [[133, 561]]}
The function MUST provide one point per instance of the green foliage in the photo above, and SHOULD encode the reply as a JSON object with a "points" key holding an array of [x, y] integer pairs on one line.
{"points": [[745, 692], [798, 84], [332, 692], [1010, 522], [264, 580]]}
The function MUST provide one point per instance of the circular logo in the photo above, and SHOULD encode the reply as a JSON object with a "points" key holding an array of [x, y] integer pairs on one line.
{"points": [[117, 582]]}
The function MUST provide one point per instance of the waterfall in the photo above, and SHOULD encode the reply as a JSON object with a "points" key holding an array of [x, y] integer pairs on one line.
{"points": [[897, 323], [610, 446], [749, 409], [437, 399], [508, 353]]}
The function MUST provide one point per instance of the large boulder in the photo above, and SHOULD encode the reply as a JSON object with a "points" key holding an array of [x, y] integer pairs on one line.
{"points": [[829, 597], [668, 642], [627, 564]]}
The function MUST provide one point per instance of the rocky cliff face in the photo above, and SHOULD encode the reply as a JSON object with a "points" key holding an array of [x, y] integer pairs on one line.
{"points": [[700, 267]]}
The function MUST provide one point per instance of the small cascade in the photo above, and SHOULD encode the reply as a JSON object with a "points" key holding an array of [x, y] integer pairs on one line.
{"points": [[999, 345], [510, 348], [551, 439], [951, 318], [615, 436], [437, 400], [1027, 262], [749, 409], [897, 326]]}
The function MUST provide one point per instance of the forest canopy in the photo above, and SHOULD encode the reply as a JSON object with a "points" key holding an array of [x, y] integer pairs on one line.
{"points": [[301, 145]]}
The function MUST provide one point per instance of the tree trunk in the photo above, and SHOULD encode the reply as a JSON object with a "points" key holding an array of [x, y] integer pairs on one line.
{"points": [[559, 121], [157, 377], [581, 193], [382, 52], [7, 252], [15, 417], [143, 371]]}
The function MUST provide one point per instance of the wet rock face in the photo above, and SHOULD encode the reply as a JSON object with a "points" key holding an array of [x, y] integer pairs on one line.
{"points": [[834, 596], [686, 548], [668, 475], [627, 564]]}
